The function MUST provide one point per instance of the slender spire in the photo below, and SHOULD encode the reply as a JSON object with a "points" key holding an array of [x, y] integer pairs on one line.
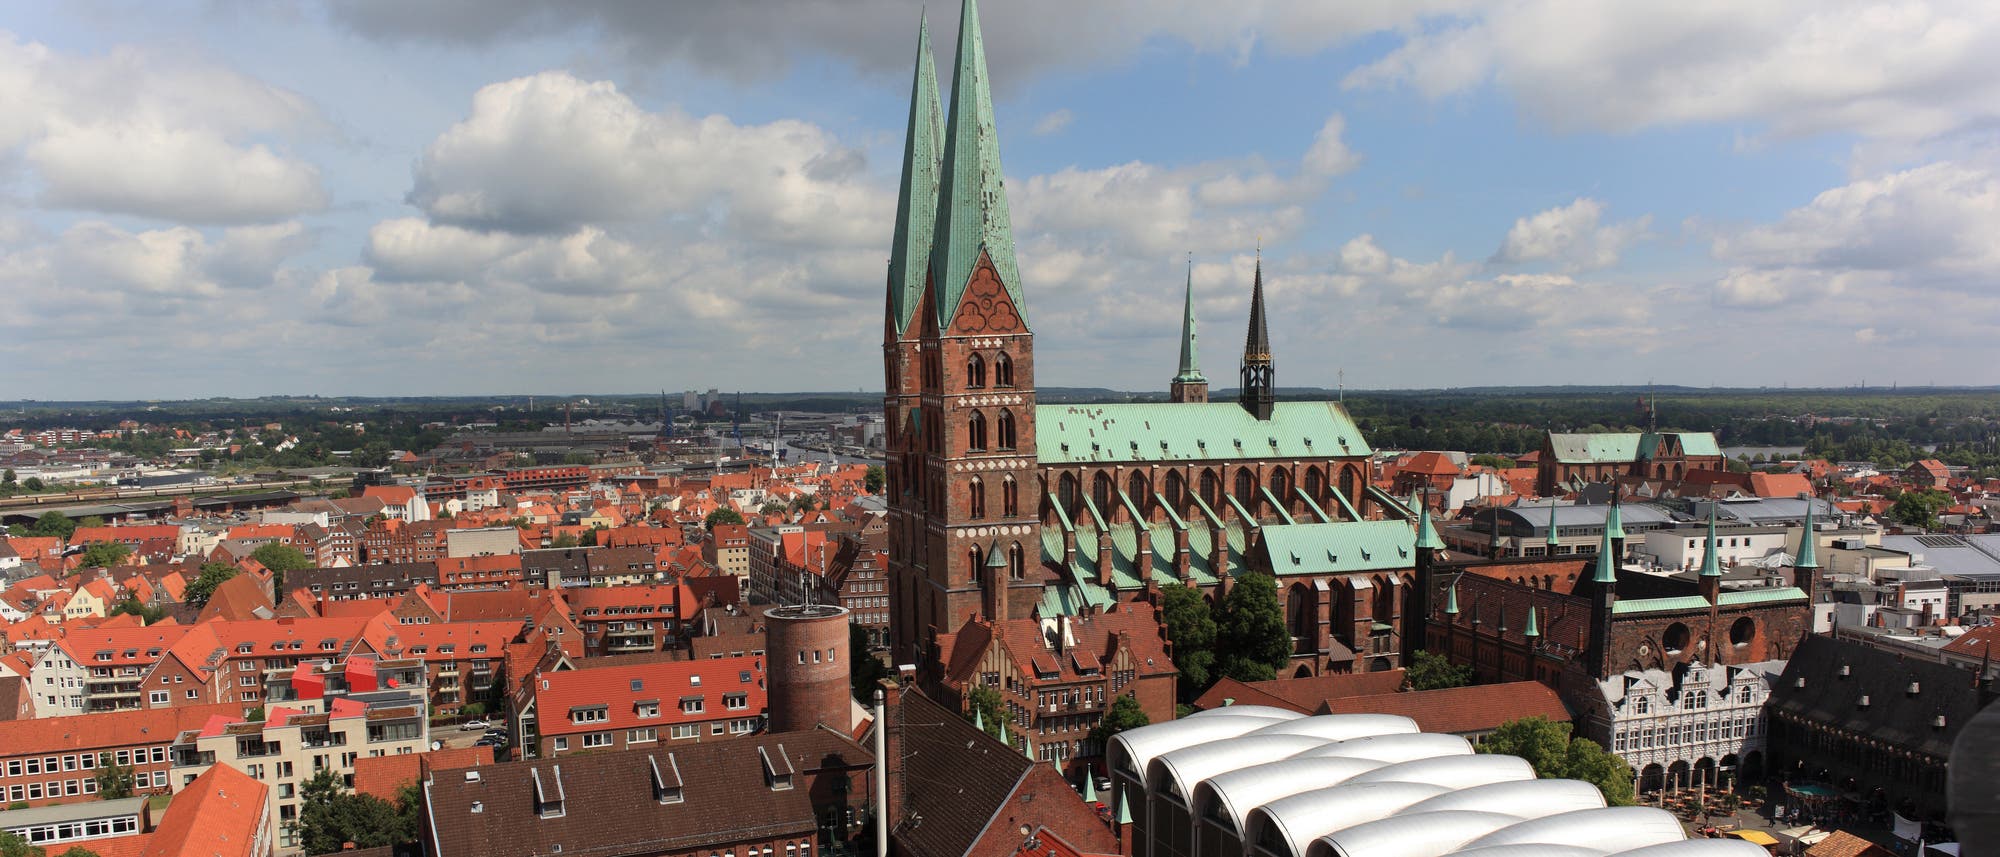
{"points": [[1257, 393], [1607, 565], [916, 199], [1190, 368], [1124, 809], [1495, 544], [972, 214], [1427, 535], [1710, 565], [978, 719], [1451, 600], [1552, 540], [1534, 628], [1614, 520], [1089, 787], [1808, 556]]}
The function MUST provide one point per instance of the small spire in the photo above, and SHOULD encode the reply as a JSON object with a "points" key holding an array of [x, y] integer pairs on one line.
{"points": [[1607, 565], [1451, 600], [996, 558], [1190, 362], [1614, 520], [978, 720], [1710, 564], [1808, 556], [1089, 787], [1534, 628], [1258, 391], [1427, 535], [1027, 748], [1496, 532], [1552, 541], [1124, 810]]}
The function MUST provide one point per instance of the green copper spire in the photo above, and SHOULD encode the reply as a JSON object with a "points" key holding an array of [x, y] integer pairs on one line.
{"points": [[1607, 565], [1552, 541], [1190, 370], [1124, 810], [996, 558], [1534, 628], [978, 720], [1027, 748], [1808, 556], [1614, 520], [1710, 567], [1089, 787], [1451, 600], [972, 211], [1427, 535], [916, 200]]}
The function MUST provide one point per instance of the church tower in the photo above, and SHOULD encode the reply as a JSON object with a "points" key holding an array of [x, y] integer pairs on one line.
{"points": [[1257, 394], [972, 493], [1189, 385]]}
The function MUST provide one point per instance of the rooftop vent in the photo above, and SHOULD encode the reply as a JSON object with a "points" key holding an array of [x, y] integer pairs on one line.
{"points": [[1914, 688], [1844, 670], [472, 776], [1938, 721], [1864, 700], [478, 807]]}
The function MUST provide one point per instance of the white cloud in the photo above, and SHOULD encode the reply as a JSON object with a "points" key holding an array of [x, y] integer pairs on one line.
{"points": [[1939, 219], [1329, 155], [131, 132], [1901, 69], [550, 152], [1570, 237], [1054, 122]]}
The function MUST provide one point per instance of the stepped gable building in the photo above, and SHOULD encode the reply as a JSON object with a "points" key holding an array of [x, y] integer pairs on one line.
{"points": [[1568, 461], [1004, 510], [1670, 673]]}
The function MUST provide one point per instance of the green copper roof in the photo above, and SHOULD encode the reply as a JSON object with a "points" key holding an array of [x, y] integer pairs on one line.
{"points": [[972, 213], [1658, 605], [1614, 520], [1593, 448], [1552, 541], [1190, 370], [1710, 567], [1089, 787], [1808, 556], [996, 558], [1760, 596], [1534, 628], [1183, 431], [1346, 546], [1124, 810], [978, 720], [1607, 565], [1451, 600], [1427, 535], [916, 199]]}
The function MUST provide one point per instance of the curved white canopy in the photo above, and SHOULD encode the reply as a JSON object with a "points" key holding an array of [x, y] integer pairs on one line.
{"points": [[1408, 834], [1245, 789], [1618, 826]]}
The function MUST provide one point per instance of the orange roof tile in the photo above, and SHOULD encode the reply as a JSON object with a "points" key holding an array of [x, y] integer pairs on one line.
{"points": [[381, 776], [223, 813], [108, 729], [620, 689], [1459, 709]]}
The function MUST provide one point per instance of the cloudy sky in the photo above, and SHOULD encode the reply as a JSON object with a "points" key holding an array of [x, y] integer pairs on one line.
{"points": [[516, 196]]}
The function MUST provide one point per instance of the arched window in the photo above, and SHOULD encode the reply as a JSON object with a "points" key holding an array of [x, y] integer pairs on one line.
{"points": [[1347, 483], [975, 371], [1006, 427], [1675, 639], [1281, 485], [1017, 562], [1071, 494], [1211, 489], [1177, 492], [1003, 370], [1316, 484], [1101, 490], [1010, 498], [1741, 633], [976, 496], [1140, 489], [1246, 488], [975, 431]]}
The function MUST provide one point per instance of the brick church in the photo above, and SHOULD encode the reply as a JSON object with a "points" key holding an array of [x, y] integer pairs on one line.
{"points": [[1000, 510]]}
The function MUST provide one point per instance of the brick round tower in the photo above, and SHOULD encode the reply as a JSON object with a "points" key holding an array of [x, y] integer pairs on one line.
{"points": [[807, 650]]}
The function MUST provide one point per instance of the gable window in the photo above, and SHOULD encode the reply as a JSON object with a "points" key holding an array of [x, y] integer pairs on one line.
{"points": [[1003, 370]]}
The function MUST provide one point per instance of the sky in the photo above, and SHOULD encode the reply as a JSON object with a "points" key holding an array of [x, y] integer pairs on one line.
{"points": [[378, 197]]}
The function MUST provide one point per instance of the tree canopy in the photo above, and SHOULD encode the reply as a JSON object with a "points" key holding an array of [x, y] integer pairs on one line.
{"points": [[991, 712], [104, 555], [1555, 754], [1428, 671], [280, 557], [50, 523], [203, 587], [114, 781], [1191, 627], [1252, 643], [1123, 714], [1920, 508], [721, 516], [872, 481], [865, 672], [329, 818]]}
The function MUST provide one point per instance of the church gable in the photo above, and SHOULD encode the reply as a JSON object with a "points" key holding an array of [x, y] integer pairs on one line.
{"points": [[986, 307]]}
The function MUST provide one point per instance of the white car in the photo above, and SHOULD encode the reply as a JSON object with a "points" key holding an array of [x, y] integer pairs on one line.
{"points": [[472, 725]]}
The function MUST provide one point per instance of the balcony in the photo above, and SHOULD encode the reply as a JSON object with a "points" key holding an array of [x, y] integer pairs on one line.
{"points": [[116, 693], [187, 756], [631, 645]]}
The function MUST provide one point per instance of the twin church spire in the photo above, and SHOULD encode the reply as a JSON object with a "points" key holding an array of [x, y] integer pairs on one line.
{"points": [[951, 207]]}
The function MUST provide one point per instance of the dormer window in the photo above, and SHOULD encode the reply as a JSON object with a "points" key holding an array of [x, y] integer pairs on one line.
{"points": [[549, 793], [667, 786], [777, 770], [589, 714]]}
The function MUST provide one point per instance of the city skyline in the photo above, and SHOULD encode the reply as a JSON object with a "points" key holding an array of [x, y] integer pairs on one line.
{"points": [[224, 197]]}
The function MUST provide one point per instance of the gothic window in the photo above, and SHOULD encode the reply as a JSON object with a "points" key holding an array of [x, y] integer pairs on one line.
{"points": [[1101, 489], [975, 372], [1316, 484], [1140, 490], [1003, 370], [1010, 498], [1006, 427], [1211, 489], [1281, 485], [1347, 483], [1071, 493], [1246, 488], [1177, 492], [976, 491], [975, 432], [1017, 566]]}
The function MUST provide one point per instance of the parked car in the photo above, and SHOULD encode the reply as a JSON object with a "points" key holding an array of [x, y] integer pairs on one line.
{"points": [[473, 726]]}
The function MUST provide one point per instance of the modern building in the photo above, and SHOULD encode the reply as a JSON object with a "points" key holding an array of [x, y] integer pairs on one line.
{"points": [[633, 706]]}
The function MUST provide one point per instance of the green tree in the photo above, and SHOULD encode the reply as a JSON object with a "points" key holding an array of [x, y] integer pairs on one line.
{"points": [[772, 507], [873, 481], [1123, 714], [721, 516], [78, 851], [1250, 632], [566, 540], [114, 781], [7, 478], [865, 671], [1549, 748], [802, 503], [1487, 459], [12, 845], [212, 575], [89, 521], [1429, 671], [280, 558], [992, 713], [34, 483], [472, 709], [147, 613], [319, 827], [1191, 627], [1920, 508], [105, 555], [50, 523]]}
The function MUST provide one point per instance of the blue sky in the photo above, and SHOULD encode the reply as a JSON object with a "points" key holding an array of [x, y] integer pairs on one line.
{"points": [[515, 196]]}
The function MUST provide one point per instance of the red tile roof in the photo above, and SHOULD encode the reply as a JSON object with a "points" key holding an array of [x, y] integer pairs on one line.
{"points": [[1459, 710], [107, 729], [1780, 484], [223, 813], [619, 690], [381, 776]]}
